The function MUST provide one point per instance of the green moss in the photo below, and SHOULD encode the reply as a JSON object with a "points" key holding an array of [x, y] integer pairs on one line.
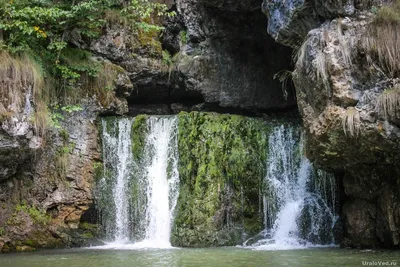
{"points": [[24, 249], [37, 215], [87, 235], [388, 14], [221, 165], [138, 136], [88, 226], [2, 231], [30, 243], [110, 123], [98, 170], [149, 40]]}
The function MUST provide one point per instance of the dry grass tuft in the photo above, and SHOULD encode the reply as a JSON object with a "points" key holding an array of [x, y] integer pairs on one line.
{"points": [[345, 45], [113, 17], [319, 61], [300, 54], [284, 76], [103, 86], [321, 72], [382, 40], [19, 77], [388, 103], [351, 122]]}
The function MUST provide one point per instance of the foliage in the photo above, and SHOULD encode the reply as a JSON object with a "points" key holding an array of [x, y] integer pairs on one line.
{"points": [[183, 37], [167, 59], [72, 108], [2, 231], [55, 120]]}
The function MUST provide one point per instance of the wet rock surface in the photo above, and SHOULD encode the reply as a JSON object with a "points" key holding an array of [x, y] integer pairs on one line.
{"points": [[338, 91]]}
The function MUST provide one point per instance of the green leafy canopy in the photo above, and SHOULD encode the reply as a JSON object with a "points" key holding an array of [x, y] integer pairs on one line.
{"points": [[40, 27]]}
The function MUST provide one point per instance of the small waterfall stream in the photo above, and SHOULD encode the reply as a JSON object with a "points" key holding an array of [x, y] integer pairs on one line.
{"points": [[137, 197], [299, 201], [163, 180]]}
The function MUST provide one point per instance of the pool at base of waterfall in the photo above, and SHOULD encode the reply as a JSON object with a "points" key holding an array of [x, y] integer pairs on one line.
{"points": [[229, 256]]}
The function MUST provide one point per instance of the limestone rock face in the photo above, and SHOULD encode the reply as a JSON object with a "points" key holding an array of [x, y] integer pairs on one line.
{"points": [[338, 90], [46, 174], [43, 202], [289, 21]]}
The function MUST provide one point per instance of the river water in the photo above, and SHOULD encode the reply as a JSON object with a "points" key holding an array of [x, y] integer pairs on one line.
{"points": [[210, 257]]}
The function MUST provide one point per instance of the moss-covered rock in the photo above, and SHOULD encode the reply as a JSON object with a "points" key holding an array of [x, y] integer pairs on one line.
{"points": [[138, 135], [222, 165]]}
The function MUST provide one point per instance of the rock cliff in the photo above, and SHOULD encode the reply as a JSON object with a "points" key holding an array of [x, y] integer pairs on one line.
{"points": [[345, 85]]}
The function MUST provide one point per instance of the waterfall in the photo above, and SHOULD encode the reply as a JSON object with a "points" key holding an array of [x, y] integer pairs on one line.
{"points": [[162, 193], [299, 201], [137, 196]]}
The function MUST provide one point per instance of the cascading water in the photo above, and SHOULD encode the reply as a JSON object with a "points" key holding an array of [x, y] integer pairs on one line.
{"points": [[162, 193], [299, 204], [137, 196]]}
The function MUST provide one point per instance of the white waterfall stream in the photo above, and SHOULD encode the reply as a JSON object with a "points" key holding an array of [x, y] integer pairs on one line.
{"points": [[299, 211], [139, 211]]}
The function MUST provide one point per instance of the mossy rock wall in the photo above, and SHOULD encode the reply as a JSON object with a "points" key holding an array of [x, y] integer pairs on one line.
{"points": [[222, 166]]}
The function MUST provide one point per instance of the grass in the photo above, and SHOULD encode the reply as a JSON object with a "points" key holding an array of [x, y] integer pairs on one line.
{"points": [[351, 122], [113, 17], [284, 76], [319, 62], [381, 40], [321, 72], [102, 85], [62, 158], [388, 103], [21, 75], [345, 46]]}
